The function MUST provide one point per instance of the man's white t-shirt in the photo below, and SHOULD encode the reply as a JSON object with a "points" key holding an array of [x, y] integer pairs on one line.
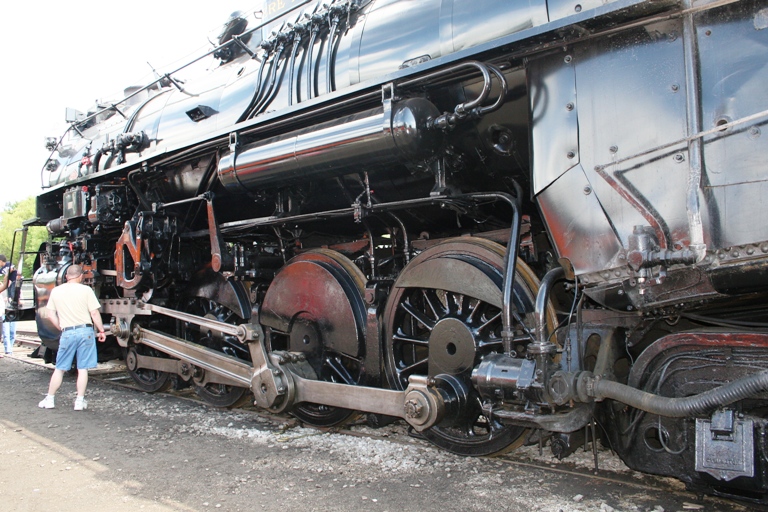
{"points": [[73, 303]]}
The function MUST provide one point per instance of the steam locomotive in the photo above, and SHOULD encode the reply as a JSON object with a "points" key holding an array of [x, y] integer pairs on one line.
{"points": [[501, 222]]}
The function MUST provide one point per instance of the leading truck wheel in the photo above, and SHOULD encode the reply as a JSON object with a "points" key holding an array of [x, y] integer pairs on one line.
{"points": [[443, 315]]}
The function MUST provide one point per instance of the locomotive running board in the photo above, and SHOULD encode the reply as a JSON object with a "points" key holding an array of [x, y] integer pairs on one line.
{"points": [[277, 386]]}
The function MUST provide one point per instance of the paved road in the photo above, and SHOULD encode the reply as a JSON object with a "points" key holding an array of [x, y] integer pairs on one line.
{"points": [[132, 451]]}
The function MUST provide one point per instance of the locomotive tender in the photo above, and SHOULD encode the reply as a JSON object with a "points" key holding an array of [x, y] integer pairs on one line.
{"points": [[497, 220]]}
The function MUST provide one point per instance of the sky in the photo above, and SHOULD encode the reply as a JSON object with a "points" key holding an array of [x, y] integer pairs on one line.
{"points": [[58, 54]]}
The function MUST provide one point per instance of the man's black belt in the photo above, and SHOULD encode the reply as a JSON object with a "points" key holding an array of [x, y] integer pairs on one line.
{"points": [[76, 327]]}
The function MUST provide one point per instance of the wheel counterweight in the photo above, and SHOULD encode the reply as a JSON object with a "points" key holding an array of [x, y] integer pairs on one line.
{"points": [[315, 306]]}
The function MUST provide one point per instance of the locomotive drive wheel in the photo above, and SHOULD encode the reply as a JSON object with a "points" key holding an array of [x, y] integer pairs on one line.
{"points": [[442, 317], [151, 381], [219, 395], [315, 306]]}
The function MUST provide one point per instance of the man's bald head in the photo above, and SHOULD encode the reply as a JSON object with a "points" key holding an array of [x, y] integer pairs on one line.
{"points": [[74, 271]]}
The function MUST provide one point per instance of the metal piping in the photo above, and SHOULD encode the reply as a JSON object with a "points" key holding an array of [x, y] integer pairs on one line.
{"points": [[542, 298], [472, 107], [313, 31], [695, 146], [145, 205], [292, 66], [406, 241], [371, 247], [360, 99], [329, 55], [257, 89], [265, 91], [273, 93], [502, 96], [510, 265]]}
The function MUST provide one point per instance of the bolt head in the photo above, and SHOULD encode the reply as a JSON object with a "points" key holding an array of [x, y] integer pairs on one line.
{"points": [[413, 409]]}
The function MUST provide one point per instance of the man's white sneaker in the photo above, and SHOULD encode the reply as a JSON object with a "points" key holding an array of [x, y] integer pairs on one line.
{"points": [[46, 403], [80, 404]]}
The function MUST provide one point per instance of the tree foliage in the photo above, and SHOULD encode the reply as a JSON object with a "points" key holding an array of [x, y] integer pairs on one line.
{"points": [[11, 219]]}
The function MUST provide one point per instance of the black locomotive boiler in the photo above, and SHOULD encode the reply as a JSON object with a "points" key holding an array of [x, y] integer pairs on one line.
{"points": [[498, 221]]}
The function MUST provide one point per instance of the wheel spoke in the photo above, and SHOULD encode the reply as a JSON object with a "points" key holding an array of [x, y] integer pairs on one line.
{"points": [[418, 316], [400, 336], [338, 369], [410, 369], [466, 306], [452, 303], [473, 311], [437, 311], [489, 321]]}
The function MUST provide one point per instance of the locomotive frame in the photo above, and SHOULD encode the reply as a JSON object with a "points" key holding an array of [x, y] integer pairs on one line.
{"points": [[498, 222]]}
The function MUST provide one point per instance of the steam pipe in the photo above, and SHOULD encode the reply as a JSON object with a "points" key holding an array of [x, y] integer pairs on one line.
{"points": [[143, 200], [260, 93], [371, 247], [240, 225], [676, 407], [695, 146], [292, 66], [502, 95], [483, 68], [267, 89], [406, 242], [510, 266], [313, 31], [473, 107], [328, 61], [257, 90], [267, 101], [96, 160], [542, 298]]}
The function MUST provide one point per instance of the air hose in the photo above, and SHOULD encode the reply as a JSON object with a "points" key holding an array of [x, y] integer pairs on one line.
{"points": [[678, 407]]}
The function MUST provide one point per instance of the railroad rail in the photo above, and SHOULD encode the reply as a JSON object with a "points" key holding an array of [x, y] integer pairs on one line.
{"points": [[27, 339]]}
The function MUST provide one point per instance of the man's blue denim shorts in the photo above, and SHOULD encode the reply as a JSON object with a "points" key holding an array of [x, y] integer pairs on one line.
{"points": [[80, 342]]}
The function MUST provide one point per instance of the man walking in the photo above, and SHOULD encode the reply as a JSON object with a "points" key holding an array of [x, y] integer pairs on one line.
{"points": [[72, 307]]}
